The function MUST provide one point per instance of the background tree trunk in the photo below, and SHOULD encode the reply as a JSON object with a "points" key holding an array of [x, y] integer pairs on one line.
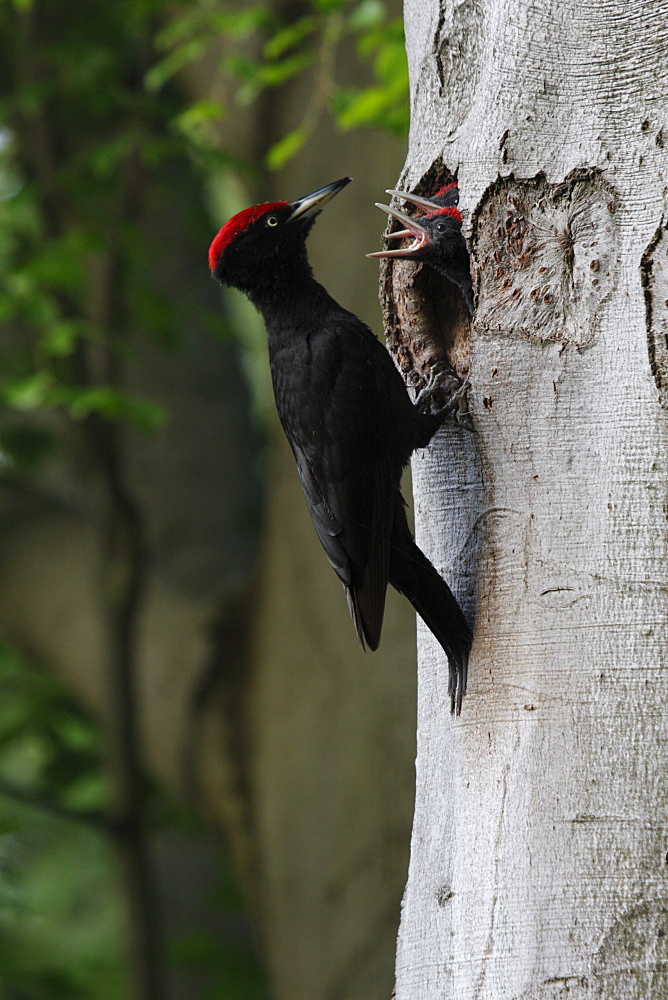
{"points": [[328, 730], [538, 864]]}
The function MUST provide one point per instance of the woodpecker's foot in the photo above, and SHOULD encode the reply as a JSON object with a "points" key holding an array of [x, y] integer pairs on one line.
{"points": [[445, 394], [458, 404], [443, 383]]}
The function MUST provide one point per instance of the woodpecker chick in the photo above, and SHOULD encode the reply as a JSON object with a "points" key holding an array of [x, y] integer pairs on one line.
{"points": [[349, 419], [437, 237]]}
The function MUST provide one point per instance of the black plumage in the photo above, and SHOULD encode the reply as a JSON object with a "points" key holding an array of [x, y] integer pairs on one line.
{"points": [[349, 420]]}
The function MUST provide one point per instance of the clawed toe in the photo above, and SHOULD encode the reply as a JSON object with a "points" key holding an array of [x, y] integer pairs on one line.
{"points": [[446, 384]]}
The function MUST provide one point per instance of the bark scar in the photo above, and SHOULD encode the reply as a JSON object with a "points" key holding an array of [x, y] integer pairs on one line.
{"points": [[545, 256]]}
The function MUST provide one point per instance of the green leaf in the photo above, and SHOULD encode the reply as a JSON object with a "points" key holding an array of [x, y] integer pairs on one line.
{"points": [[240, 24], [286, 148], [367, 14], [88, 793], [245, 69], [179, 28], [61, 338], [275, 74], [198, 123], [289, 37], [110, 401], [186, 54], [107, 156], [30, 392]]}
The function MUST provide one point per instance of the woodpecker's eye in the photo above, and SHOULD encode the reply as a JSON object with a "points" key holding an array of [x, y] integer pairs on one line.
{"points": [[272, 220], [441, 227]]}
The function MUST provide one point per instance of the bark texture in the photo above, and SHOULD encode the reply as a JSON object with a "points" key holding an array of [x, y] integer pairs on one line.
{"points": [[539, 866]]}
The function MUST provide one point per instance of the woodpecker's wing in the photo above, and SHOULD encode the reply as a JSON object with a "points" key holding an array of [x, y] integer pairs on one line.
{"points": [[355, 538], [344, 438]]}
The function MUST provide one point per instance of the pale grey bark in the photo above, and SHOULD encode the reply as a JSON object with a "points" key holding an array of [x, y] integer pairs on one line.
{"points": [[538, 864]]}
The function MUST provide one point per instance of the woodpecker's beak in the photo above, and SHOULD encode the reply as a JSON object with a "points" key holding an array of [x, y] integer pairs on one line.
{"points": [[413, 228], [309, 206]]}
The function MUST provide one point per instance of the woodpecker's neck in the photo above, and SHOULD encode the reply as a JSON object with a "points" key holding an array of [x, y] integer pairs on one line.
{"points": [[299, 303], [275, 278]]}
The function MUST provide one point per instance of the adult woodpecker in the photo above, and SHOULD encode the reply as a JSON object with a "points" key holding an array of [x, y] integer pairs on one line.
{"points": [[437, 236], [349, 420]]}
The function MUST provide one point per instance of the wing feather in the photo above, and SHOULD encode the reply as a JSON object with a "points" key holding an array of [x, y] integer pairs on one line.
{"points": [[347, 474]]}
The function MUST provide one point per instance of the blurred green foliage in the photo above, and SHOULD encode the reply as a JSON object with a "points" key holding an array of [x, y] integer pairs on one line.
{"points": [[90, 104], [60, 934], [308, 41], [92, 108], [48, 748]]}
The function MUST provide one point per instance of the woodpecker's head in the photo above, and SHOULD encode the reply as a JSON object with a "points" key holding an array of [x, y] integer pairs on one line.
{"points": [[266, 245], [436, 234]]}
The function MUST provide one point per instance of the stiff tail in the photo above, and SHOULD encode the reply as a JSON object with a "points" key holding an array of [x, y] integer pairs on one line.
{"points": [[413, 575], [368, 632]]}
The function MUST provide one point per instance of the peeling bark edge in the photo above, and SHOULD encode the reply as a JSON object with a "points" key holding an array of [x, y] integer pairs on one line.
{"points": [[654, 280]]}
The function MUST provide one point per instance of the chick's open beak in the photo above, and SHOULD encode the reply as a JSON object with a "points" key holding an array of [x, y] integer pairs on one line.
{"points": [[414, 199], [413, 228]]}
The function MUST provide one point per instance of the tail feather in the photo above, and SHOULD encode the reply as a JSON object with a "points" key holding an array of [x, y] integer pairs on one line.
{"points": [[368, 632], [413, 575]]}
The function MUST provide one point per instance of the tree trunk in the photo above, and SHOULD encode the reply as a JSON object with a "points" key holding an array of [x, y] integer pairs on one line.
{"points": [[538, 865]]}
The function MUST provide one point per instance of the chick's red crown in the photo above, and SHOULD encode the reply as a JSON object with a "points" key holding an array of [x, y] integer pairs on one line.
{"points": [[444, 190], [451, 212]]}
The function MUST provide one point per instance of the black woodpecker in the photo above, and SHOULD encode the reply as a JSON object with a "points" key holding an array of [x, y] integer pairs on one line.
{"points": [[349, 420]]}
